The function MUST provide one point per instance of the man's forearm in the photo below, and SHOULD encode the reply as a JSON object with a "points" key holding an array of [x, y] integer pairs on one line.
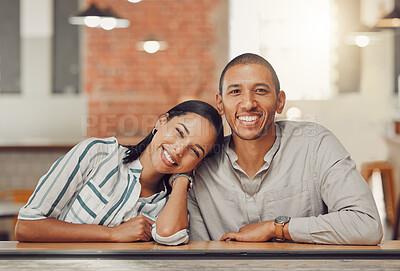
{"points": [[343, 227]]}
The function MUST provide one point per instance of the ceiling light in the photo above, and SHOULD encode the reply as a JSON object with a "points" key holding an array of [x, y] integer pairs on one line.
{"points": [[151, 45], [392, 20], [363, 36], [94, 17]]}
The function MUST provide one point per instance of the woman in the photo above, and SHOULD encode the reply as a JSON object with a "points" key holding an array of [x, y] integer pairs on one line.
{"points": [[102, 191]]}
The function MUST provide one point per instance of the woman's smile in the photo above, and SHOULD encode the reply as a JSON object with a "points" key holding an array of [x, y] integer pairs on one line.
{"points": [[167, 158]]}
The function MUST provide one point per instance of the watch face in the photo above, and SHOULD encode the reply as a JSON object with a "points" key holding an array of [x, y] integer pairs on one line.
{"points": [[282, 219]]}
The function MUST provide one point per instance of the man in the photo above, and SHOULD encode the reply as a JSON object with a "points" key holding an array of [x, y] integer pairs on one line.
{"points": [[277, 180]]}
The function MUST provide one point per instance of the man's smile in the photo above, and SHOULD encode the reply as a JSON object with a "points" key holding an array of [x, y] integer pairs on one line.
{"points": [[249, 119]]}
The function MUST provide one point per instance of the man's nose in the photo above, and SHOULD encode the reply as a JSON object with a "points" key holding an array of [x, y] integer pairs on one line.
{"points": [[248, 101]]}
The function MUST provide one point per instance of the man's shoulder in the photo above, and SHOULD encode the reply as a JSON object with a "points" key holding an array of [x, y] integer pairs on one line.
{"points": [[301, 133], [299, 129]]}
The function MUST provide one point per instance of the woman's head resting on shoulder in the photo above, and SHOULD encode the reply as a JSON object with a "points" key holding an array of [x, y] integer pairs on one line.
{"points": [[182, 138]]}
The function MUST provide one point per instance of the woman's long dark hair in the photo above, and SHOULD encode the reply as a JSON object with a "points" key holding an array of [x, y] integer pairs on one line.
{"points": [[197, 107]]}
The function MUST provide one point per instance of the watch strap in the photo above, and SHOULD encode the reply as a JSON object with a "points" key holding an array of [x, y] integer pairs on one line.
{"points": [[280, 236]]}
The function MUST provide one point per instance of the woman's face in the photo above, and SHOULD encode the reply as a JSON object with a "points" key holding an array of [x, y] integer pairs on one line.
{"points": [[181, 143]]}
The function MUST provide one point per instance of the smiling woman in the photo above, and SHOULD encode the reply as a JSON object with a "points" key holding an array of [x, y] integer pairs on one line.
{"points": [[103, 191]]}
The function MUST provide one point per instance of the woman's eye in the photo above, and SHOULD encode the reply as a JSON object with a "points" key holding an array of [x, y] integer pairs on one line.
{"points": [[180, 132], [195, 152]]}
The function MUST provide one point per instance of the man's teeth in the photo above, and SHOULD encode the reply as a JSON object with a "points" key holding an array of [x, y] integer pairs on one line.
{"points": [[169, 159], [248, 118]]}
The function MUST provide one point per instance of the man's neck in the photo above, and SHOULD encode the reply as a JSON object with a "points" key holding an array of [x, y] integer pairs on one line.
{"points": [[251, 153]]}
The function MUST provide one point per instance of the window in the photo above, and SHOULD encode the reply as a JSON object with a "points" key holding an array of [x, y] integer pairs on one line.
{"points": [[66, 67], [9, 47]]}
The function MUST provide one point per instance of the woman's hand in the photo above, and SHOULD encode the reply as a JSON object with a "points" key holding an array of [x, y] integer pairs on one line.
{"points": [[135, 229]]}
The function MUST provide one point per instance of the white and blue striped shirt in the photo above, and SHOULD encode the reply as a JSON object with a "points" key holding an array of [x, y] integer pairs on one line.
{"points": [[91, 185]]}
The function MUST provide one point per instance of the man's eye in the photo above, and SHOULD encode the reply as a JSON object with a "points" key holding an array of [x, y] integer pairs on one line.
{"points": [[261, 90], [235, 91], [180, 132], [195, 152]]}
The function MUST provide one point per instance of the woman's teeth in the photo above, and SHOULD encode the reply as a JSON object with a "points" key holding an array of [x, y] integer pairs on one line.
{"points": [[168, 157], [248, 118]]}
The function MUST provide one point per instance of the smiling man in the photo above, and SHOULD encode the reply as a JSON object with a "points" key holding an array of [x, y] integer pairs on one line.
{"points": [[280, 180]]}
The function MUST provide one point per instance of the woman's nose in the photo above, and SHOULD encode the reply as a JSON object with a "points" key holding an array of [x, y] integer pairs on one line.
{"points": [[179, 149]]}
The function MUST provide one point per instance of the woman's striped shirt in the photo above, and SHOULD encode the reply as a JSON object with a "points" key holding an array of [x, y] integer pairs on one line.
{"points": [[91, 185]]}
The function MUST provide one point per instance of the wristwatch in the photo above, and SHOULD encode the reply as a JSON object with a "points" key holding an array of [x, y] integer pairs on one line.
{"points": [[279, 223], [190, 184]]}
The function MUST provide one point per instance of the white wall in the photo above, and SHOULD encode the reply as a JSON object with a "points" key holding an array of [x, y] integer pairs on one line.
{"points": [[36, 116], [361, 120], [358, 119]]}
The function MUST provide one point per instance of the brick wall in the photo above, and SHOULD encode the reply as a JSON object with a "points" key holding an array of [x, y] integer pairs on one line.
{"points": [[128, 89]]}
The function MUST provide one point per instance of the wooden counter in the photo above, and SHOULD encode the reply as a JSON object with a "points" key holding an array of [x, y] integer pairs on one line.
{"points": [[229, 256], [199, 250]]}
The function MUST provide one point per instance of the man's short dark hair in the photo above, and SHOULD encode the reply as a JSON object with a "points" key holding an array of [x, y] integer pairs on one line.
{"points": [[246, 59]]}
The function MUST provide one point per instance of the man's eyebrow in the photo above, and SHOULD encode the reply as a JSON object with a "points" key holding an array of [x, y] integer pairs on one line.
{"points": [[200, 148], [263, 85], [257, 84], [184, 127], [234, 86]]}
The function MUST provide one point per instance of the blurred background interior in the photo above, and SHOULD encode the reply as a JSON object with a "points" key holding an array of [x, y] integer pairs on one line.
{"points": [[72, 69]]}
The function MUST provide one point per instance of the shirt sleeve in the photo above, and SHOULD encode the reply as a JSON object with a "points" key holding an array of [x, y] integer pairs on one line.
{"points": [[352, 216], [197, 227], [181, 237], [65, 177]]}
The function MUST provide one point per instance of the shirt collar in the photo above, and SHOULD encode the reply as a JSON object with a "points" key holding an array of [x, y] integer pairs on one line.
{"points": [[136, 168], [268, 156]]}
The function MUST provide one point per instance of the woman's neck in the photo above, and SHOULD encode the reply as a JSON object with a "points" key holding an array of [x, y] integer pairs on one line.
{"points": [[150, 179]]}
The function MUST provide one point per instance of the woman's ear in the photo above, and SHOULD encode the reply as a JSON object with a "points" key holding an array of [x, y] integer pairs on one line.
{"points": [[163, 119]]}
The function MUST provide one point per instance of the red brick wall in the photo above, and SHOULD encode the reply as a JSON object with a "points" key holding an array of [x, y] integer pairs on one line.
{"points": [[127, 89]]}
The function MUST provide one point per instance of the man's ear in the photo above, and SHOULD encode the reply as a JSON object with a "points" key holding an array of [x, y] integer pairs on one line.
{"points": [[281, 100], [163, 119], [220, 104]]}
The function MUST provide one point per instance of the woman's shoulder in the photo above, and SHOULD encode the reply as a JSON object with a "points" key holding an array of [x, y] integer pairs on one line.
{"points": [[97, 144]]}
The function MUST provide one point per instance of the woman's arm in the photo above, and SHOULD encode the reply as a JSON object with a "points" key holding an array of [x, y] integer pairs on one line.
{"points": [[174, 217], [53, 230]]}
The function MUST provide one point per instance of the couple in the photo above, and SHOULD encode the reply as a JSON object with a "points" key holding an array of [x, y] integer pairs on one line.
{"points": [[268, 180]]}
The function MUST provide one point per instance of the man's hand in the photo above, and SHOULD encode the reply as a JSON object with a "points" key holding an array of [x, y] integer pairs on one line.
{"points": [[256, 232], [135, 229]]}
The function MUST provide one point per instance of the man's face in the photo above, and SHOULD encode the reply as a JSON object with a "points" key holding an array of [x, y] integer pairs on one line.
{"points": [[249, 101]]}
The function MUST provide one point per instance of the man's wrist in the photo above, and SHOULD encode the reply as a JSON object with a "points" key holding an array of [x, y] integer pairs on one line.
{"points": [[280, 222], [286, 231]]}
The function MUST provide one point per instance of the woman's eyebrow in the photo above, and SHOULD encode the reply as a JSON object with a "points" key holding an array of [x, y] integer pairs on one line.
{"points": [[187, 131], [198, 146], [184, 127]]}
